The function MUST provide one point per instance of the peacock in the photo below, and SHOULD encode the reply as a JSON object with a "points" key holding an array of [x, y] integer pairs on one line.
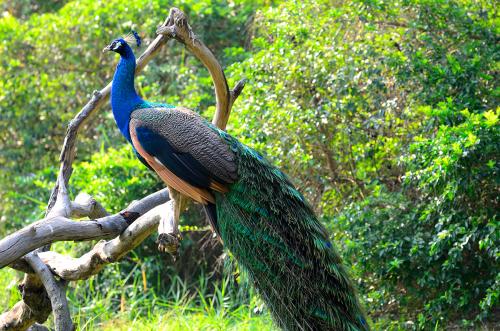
{"points": [[262, 219]]}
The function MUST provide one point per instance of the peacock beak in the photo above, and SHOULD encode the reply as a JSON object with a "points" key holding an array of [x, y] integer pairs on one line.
{"points": [[106, 49]]}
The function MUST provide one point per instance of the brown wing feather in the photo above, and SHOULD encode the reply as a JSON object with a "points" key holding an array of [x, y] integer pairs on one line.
{"points": [[198, 194], [216, 186], [189, 133]]}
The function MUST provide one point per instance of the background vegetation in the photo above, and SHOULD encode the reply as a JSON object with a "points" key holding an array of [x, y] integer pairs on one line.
{"points": [[385, 113]]}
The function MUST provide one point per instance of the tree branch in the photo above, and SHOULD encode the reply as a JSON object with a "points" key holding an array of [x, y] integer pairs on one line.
{"points": [[60, 228], [86, 206], [177, 26], [56, 291], [34, 306], [57, 226], [104, 252]]}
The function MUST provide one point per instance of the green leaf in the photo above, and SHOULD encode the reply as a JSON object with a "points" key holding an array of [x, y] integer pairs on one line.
{"points": [[491, 117]]}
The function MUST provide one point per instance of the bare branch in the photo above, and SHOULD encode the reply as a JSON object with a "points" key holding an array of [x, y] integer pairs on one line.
{"points": [[236, 91], [105, 252], [86, 206], [56, 291], [80, 268], [60, 228], [176, 26]]}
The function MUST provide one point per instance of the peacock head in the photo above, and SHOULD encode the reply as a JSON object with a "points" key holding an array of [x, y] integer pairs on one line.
{"points": [[121, 45]]}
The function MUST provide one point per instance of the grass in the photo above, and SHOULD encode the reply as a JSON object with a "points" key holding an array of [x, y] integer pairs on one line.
{"points": [[133, 295], [180, 319], [135, 300], [115, 300], [9, 279], [179, 308]]}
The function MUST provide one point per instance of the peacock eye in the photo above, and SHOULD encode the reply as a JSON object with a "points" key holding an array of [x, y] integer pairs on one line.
{"points": [[116, 45]]}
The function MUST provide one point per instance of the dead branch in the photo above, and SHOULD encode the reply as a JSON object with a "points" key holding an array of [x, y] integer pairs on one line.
{"points": [[60, 228], [177, 26], [56, 291], [105, 252], [35, 307], [86, 206], [31, 309], [131, 226]]}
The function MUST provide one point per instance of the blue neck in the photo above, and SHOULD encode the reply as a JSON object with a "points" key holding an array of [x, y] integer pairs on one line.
{"points": [[124, 98]]}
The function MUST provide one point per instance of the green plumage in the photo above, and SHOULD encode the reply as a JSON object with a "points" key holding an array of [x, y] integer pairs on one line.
{"points": [[274, 235]]}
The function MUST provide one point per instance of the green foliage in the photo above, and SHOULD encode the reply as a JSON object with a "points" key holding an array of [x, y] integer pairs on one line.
{"points": [[10, 293], [452, 53], [114, 178], [325, 102], [434, 247], [180, 305], [456, 176], [385, 113]]}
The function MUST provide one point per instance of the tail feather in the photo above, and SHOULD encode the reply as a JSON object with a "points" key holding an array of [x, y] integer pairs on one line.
{"points": [[274, 235], [211, 211]]}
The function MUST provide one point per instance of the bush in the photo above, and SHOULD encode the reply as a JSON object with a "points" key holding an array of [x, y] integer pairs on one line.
{"points": [[385, 115], [434, 249]]}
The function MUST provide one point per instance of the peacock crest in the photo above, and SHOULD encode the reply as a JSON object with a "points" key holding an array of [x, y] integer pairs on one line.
{"points": [[133, 38]]}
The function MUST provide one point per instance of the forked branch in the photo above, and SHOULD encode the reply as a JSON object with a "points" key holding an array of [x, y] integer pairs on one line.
{"points": [[60, 228], [177, 26], [56, 291], [104, 252], [131, 226]]}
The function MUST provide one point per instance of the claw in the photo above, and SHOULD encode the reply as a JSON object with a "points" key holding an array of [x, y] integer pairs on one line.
{"points": [[169, 236], [169, 243]]}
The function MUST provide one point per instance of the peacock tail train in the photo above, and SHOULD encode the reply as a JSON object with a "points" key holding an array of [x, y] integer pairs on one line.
{"points": [[274, 235]]}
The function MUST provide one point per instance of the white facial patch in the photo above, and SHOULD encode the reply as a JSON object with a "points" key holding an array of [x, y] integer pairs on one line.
{"points": [[117, 45]]}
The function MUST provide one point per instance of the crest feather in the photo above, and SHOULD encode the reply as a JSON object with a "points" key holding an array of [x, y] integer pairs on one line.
{"points": [[133, 38]]}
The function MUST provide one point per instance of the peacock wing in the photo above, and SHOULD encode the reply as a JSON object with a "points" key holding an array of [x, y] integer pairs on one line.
{"points": [[183, 142]]}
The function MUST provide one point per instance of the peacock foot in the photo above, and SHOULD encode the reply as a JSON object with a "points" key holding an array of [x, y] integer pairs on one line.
{"points": [[169, 243]]}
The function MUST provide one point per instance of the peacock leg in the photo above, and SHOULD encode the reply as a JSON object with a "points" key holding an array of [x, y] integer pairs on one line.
{"points": [[169, 236]]}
